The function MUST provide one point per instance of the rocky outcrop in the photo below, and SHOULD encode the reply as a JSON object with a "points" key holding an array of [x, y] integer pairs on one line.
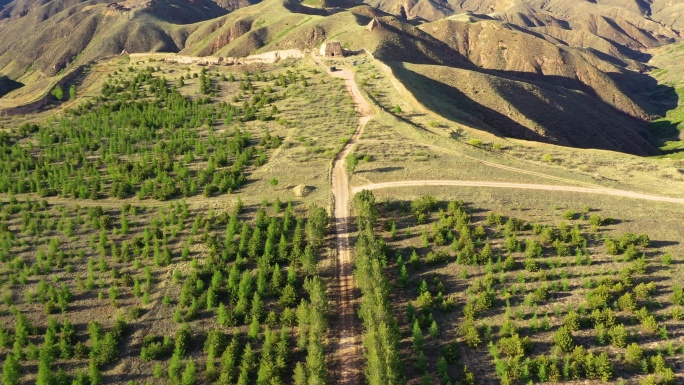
{"points": [[236, 30]]}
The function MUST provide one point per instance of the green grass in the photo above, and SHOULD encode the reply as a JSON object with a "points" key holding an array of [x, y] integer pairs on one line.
{"points": [[313, 3], [288, 30], [669, 129]]}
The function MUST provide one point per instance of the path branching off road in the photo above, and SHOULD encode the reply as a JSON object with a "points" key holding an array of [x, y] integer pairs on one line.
{"points": [[524, 186]]}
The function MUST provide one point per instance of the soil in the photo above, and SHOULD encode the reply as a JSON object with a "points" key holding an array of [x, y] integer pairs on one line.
{"points": [[348, 351]]}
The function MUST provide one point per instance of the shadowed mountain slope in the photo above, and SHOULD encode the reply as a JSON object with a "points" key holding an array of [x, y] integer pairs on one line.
{"points": [[50, 36]]}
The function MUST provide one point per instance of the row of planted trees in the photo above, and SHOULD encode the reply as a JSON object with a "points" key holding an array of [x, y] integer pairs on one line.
{"points": [[381, 334]]}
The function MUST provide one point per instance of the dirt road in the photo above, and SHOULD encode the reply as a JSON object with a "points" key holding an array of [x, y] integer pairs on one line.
{"points": [[525, 186], [348, 353]]}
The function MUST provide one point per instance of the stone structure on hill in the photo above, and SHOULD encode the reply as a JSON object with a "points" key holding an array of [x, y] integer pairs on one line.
{"points": [[332, 49]]}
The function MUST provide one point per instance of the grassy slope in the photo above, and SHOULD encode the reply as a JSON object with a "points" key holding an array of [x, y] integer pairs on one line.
{"points": [[313, 122], [669, 130], [397, 143]]}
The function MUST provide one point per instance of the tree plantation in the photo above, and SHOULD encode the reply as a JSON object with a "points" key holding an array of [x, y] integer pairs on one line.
{"points": [[143, 137], [123, 256], [177, 295], [453, 294], [164, 220]]}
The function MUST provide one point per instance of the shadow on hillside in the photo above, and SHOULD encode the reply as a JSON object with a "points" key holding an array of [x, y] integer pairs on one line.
{"points": [[381, 170], [8, 85], [569, 118], [644, 91], [419, 47], [664, 131], [658, 244], [181, 12], [654, 98], [330, 7], [456, 106]]}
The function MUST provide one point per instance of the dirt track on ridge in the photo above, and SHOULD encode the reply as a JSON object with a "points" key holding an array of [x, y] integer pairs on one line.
{"points": [[348, 352]]}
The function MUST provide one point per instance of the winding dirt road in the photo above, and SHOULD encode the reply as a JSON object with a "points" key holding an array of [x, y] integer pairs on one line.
{"points": [[524, 186], [348, 352]]}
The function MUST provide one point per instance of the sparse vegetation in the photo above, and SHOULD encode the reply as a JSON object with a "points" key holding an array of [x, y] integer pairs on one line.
{"points": [[527, 312]]}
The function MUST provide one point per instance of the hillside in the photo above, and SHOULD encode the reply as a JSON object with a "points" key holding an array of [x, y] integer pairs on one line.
{"points": [[52, 36], [479, 198], [541, 61], [669, 129]]}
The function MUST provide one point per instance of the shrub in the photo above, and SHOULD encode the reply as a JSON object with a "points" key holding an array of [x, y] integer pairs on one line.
{"points": [[470, 333], [595, 221], [572, 321], [514, 346], [288, 297], [508, 328], [155, 347], [11, 370], [423, 205], [633, 355], [643, 291], [418, 339], [605, 317], [475, 142], [569, 214], [649, 324], [106, 350], [627, 303], [662, 374], [601, 333], [563, 339], [434, 329], [58, 93], [618, 335], [677, 297], [599, 367], [352, 161], [182, 340]]}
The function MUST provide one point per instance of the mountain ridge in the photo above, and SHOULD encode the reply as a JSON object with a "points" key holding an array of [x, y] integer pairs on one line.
{"points": [[577, 55]]}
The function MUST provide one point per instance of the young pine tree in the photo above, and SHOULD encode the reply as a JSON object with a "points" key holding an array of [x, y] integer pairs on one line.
{"points": [[189, 376], [11, 370], [299, 377]]}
